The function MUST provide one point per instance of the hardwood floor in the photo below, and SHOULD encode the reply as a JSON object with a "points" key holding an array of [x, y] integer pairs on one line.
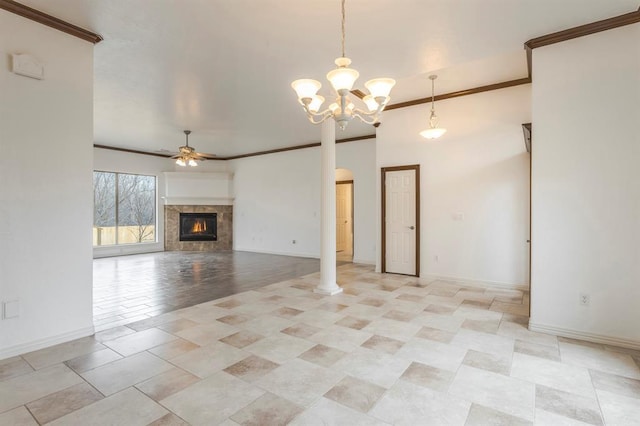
{"points": [[127, 289]]}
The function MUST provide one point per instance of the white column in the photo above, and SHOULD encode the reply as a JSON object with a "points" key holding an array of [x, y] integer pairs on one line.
{"points": [[328, 283]]}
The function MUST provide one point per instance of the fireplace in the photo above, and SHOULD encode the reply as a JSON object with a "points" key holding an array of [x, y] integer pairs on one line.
{"points": [[198, 227]]}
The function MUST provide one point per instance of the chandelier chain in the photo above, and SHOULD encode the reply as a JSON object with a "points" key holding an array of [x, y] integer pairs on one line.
{"points": [[343, 23], [433, 96]]}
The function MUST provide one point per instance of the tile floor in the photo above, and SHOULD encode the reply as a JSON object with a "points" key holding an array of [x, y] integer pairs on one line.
{"points": [[389, 350]]}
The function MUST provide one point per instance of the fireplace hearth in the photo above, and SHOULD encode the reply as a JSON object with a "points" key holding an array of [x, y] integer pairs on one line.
{"points": [[198, 227]]}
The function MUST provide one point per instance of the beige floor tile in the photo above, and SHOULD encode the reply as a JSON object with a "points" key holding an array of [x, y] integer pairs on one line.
{"points": [[600, 360], [409, 404], [500, 364], [616, 384], [279, 347], [428, 376], [619, 409], [353, 322], [177, 325], [553, 374], [364, 311], [435, 334], [251, 368], [535, 349], [485, 326], [29, 387], [210, 359], [63, 402], [173, 349], [355, 393], [343, 338], [207, 334], [440, 309], [268, 324], [287, 312], [148, 323], [92, 360], [483, 416], [62, 352], [376, 367], [269, 410], [383, 344], [13, 367], [436, 354], [505, 394], [443, 322], [322, 355], [301, 330], [510, 308], [568, 405], [212, 400], [140, 341], [17, 417], [394, 329], [235, 319], [321, 318], [169, 419], [520, 331], [483, 342], [165, 384], [241, 339], [546, 418], [118, 375], [326, 412], [397, 315], [129, 407], [300, 381]]}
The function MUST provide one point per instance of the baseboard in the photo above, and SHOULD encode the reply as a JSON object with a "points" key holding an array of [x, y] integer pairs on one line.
{"points": [[45, 343], [583, 335], [279, 253], [475, 283]]}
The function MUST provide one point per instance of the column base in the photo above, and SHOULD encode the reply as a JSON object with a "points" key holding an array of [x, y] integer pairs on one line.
{"points": [[328, 292]]}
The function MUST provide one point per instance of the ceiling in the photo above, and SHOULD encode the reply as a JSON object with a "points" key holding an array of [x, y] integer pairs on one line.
{"points": [[223, 68]]}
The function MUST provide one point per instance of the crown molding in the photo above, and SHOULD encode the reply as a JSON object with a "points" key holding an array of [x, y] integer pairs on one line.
{"points": [[50, 21], [584, 30]]}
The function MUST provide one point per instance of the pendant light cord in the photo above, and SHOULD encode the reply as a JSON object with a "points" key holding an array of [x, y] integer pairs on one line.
{"points": [[343, 21], [433, 98]]}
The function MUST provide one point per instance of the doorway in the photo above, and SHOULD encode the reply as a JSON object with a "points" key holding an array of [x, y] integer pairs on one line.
{"points": [[344, 215], [401, 220]]}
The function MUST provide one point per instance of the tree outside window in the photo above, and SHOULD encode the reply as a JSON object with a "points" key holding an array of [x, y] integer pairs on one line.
{"points": [[124, 208]]}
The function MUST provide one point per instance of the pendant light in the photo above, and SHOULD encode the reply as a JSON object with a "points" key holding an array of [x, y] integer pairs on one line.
{"points": [[433, 132]]}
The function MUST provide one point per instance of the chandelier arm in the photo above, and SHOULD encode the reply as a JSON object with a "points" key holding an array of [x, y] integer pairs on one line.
{"points": [[364, 117], [319, 117]]}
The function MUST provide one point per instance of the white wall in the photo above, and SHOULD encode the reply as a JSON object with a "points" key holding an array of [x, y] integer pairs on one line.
{"points": [[586, 187], [277, 200], [124, 162], [46, 134], [480, 168]]}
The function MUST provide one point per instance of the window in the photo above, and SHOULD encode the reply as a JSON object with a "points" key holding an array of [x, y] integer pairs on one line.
{"points": [[124, 208]]}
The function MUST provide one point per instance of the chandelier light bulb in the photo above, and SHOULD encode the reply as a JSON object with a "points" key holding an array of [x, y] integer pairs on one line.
{"points": [[380, 87], [306, 88], [180, 162], [371, 103], [193, 163], [316, 103], [342, 78]]}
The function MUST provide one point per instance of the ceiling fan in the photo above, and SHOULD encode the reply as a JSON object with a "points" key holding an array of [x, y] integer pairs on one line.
{"points": [[187, 155]]}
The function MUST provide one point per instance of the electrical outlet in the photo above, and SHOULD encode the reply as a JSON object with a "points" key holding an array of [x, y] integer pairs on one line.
{"points": [[10, 309], [585, 299]]}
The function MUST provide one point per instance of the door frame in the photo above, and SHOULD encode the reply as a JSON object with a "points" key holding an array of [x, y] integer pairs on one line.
{"points": [[383, 171], [353, 207]]}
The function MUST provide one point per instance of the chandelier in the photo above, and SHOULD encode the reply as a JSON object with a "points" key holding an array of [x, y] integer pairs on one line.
{"points": [[433, 132], [187, 155], [342, 80]]}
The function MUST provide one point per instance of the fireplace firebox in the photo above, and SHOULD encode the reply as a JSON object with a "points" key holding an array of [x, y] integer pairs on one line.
{"points": [[198, 227]]}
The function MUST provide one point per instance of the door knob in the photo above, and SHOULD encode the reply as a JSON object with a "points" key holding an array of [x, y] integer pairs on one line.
{"points": [[412, 227]]}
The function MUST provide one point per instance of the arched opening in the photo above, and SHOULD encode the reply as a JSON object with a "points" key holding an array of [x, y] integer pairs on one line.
{"points": [[344, 215]]}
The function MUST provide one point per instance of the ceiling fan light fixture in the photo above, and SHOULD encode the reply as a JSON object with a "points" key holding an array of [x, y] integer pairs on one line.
{"points": [[187, 156], [434, 131]]}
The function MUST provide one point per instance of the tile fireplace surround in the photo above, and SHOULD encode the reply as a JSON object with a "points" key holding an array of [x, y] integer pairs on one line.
{"points": [[172, 228]]}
